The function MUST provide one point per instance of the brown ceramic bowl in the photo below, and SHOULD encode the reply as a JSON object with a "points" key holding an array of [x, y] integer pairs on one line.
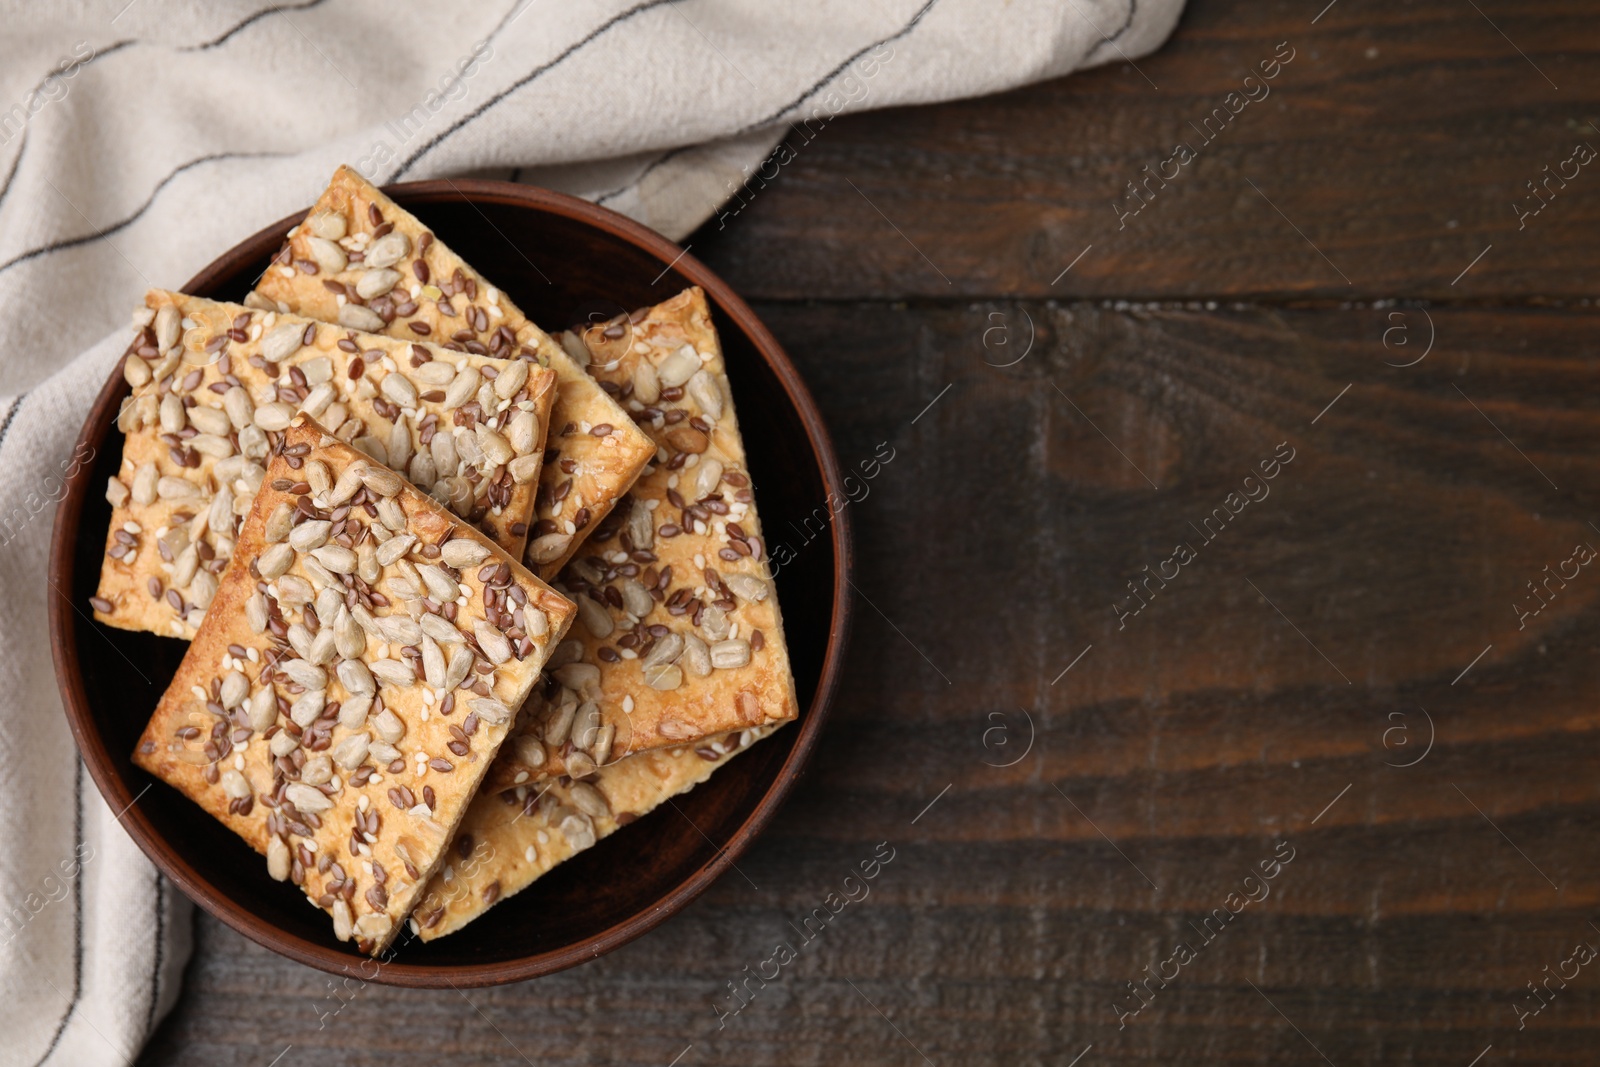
{"points": [[560, 259]]}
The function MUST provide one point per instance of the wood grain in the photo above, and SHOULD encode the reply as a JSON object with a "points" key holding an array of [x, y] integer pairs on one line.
{"points": [[1396, 141], [1208, 730], [1268, 694]]}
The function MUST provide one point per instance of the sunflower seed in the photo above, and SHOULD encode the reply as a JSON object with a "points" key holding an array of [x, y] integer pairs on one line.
{"points": [[317, 401], [307, 706], [666, 650], [436, 372], [318, 770], [558, 724], [381, 480], [578, 676], [678, 367], [184, 567], [490, 710], [220, 518], [730, 655], [348, 639], [746, 586], [578, 831], [329, 225], [173, 417], [351, 752], [307, 798], [237, 406], [707, 476], [283, 743], [355, 678], [399, 629], [463, 552], [389, 726], [585, 724], [535, 623], [255, 613], [336, 558], [327, 255], [304, 674], [376, 283], [392, 515], [273, 417], [646, 386], [278, 864], [596, 619], [282, 341], [462, 388], [441, 585], [210, 420], [144, 484], [294, 591], [511, 380], [636, 599], [392, 672], [310, 535], [497, 451], [315, 473], [345, 486], [398, 388], [665, 678], [399, 443], [525, 469], [353, 711], [394, 548], [388, 250], [440, 629], [167, 325], [373, 447], [253, 441], [492, 641], [235, 688], [600, 751], [422, 472], [116, 493], [470, 451], [529, 751], [458, 668], [589, 800], [263, 709], [433, 665], [360, 317], [696, 656], [523, 431], [714, 622], [279, 524], [705, 391]]}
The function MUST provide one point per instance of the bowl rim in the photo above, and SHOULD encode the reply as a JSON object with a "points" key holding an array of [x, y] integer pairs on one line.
{"points": [[116, 791]]}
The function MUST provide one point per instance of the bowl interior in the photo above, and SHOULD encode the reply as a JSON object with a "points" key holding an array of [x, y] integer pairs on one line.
{"points": [[560, 269]]}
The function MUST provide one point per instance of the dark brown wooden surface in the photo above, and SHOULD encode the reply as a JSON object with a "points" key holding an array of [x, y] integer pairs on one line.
{"points": [[1266, 695]]}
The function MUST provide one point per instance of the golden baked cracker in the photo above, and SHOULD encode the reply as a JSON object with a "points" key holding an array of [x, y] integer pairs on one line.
{"points": [[356, 675], [679, 635], [509, 840], [353, 234], [214, 382]]}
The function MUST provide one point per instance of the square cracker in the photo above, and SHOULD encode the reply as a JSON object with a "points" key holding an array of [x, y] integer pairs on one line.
{"points": [[190, 439], [508, 841], [679, 635], [339, 714], [440, 298]]}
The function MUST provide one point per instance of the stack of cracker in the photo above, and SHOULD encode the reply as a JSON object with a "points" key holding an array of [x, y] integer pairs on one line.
{"points": [[463, 599]]}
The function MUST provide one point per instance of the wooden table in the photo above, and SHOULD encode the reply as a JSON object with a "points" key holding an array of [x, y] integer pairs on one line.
{"points": [[1345, 667]]}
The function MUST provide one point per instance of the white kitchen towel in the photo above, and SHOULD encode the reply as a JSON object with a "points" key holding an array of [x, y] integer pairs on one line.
{"points": [[141, 138]]}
